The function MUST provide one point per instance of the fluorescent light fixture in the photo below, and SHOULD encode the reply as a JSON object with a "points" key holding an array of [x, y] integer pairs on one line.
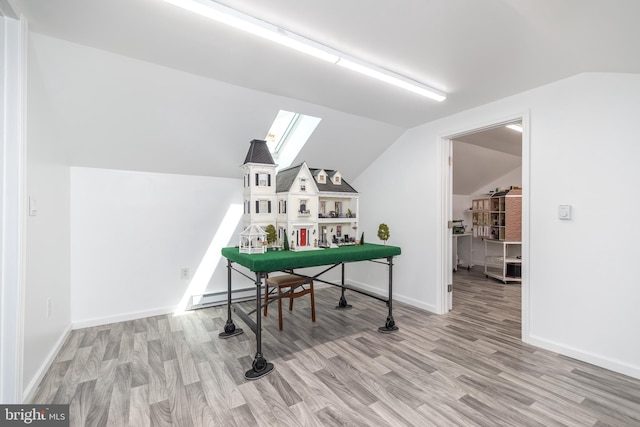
{"points": [[243, 22], [392, 78], [515, 127], [233, 18]]}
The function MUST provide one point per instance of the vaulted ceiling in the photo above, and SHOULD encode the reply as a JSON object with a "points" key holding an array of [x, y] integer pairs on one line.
{"points": [[476, 51]]}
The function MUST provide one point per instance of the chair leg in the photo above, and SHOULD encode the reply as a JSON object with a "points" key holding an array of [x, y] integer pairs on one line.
{"points": [[279, 308], [313, 303], [291, 289]]}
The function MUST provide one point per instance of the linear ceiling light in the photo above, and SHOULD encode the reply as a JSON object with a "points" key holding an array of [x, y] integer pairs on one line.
{"points": [[391, 78], [263, 29], [515, 126]]}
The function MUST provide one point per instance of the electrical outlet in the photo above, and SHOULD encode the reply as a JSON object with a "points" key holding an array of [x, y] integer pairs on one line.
{"points": [[185, 273]]}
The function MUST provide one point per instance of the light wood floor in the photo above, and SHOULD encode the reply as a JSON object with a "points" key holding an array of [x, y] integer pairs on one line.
{"points": [[466, 368]]}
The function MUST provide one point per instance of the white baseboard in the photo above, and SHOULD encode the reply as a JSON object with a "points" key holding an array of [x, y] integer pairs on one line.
{"points": [[30, 390], [585, 356], [217, 298], [99, 321], [396, 297]]}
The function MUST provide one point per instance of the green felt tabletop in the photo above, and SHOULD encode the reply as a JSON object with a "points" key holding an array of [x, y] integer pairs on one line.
{"points": [[283, 260]]}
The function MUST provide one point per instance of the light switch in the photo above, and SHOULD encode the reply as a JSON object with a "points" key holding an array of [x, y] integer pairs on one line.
{"points": [[33, 206], [564, 212]]}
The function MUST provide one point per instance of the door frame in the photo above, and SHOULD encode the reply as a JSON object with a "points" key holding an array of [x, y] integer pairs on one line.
{"points": [[13, 198], [444, 298]]}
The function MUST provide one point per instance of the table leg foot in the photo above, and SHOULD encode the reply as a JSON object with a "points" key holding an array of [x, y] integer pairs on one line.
{"points": [[259, 369], [389, 326], [342, 304], [230, 330]]}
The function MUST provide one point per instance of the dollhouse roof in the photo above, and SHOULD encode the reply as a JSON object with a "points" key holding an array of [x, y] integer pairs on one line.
{"points": [[286, 177], [329, 186], [259, 153]]}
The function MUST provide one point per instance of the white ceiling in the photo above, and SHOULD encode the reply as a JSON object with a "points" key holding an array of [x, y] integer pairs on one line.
{"points": [[476, 51], [483, 157]]}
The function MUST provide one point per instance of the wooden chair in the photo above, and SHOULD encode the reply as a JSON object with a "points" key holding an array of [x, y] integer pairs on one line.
{"points": [[288, 286]]}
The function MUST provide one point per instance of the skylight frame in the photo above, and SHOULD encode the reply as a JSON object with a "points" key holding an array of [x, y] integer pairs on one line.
{"points": [[285, 145]]}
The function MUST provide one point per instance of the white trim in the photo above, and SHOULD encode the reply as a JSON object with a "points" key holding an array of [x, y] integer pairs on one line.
{"points": [[99, 321], [594, 359], [12, 232], [30, 389], [449, 206], [396, 297], [443, 236], [526, 237]]}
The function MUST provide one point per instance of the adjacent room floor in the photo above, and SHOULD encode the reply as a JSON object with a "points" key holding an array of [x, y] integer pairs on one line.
{"points": [[468, 367]]}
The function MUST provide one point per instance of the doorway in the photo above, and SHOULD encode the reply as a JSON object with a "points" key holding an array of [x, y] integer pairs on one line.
{"points": [[481, 162]]}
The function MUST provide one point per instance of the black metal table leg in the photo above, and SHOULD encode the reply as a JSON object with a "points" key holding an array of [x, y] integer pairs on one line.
{"points": [[230, 329], [390, 324], [342, 304], [260, 366]]}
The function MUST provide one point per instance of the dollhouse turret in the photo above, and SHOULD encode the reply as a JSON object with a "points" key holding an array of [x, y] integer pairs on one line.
{"points": [[259, 171]]}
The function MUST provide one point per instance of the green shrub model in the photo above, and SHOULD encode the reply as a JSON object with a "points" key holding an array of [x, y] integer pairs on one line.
{"points": [[383, 233], [272, 236]]}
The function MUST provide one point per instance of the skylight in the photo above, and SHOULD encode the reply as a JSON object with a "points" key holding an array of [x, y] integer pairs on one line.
{"points": [[288, 134], [515, 126]]}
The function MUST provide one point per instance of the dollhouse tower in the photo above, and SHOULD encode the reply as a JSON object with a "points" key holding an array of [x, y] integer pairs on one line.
{"points": [[259, 193]]}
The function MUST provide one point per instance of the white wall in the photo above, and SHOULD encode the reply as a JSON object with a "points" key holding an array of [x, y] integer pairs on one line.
{"points": [[132, 232], [580, 298], [399, 189], [121, 113], [47, 294]]}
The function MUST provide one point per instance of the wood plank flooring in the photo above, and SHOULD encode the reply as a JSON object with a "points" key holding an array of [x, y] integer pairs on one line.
{"points": [[466, 368]]}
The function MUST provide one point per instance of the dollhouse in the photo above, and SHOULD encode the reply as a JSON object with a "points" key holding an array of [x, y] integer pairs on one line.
{"points": [[310, 208]]}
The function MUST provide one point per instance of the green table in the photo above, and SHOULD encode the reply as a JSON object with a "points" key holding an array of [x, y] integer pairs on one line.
{"points": [[287, 262]]}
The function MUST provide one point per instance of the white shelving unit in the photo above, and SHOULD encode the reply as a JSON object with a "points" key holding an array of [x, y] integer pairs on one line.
{"points": [[462, 248], [502, 260]]}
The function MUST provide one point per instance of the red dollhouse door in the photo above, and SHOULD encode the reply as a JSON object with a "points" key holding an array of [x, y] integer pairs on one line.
{"points": [[303, 237]]}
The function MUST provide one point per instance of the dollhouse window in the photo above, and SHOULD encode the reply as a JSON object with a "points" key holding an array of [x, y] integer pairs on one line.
{"points": [[303, 184], [263, 179], [282, 206], [263, 206]]}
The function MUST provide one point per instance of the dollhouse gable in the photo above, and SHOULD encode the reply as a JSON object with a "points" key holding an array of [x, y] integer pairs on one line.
{"points": [[296, 180]]}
